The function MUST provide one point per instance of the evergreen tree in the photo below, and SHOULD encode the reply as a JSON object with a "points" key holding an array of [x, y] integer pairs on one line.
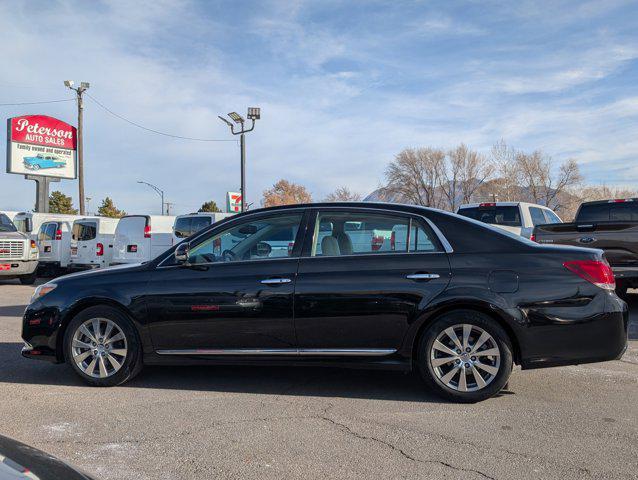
{"points": [[108, 209], [209, 207], [61, 203]]}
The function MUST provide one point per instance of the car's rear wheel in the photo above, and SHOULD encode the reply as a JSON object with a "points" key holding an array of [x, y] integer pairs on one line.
{"points": [[102, 347], [465, 356]]}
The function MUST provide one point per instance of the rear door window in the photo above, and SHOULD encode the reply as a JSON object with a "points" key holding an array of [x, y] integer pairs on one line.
{"points": [[593, 213], [537, 216], [199, 223], [84, 231], [359, 233], [551, 217], [506, 215], [183, 227], [623, 212], [47, 231]]}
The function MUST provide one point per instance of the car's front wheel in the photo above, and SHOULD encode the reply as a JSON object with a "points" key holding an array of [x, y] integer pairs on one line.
{"points": [[465, 356], [102, 347], [28, 279]]}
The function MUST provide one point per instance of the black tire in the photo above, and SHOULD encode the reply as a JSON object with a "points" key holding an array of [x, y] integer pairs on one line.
{"points": [[477, 319], [132, 364], [29, 279]]}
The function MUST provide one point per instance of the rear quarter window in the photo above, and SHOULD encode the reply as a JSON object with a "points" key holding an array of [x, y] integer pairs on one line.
{"points": [[467, 235]]}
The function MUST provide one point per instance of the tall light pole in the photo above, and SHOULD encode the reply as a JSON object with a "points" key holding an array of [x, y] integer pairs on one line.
{"points": [[159, 191], [79, 91], [253, 114]]}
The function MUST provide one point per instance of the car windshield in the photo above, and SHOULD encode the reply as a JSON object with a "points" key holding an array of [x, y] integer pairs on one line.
{"points": [[6, 225], [506, 215]]}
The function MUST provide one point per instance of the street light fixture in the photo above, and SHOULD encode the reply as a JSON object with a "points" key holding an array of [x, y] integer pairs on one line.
{"points": [[158, 190], [236, 117], [79, 91], [253, 114]]}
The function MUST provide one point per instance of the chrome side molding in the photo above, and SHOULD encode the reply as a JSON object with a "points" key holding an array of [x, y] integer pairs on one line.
{"points": [[363, 352]]}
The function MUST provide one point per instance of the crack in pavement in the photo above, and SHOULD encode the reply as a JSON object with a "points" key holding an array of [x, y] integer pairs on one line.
{"points": [[345, 428]]}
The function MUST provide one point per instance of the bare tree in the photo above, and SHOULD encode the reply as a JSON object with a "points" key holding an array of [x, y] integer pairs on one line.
{"points": [[415, 176], [504, 188], [343, 194], [285, 193], [464, 174]]}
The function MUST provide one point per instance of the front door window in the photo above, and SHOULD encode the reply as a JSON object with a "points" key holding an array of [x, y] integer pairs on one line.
{"points": [[259, 239]]}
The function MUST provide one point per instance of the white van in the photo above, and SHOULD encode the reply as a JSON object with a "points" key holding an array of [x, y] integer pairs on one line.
{"points": [[92, 242], [54, 244], [140, 238], [30, 222], [186, 225]]}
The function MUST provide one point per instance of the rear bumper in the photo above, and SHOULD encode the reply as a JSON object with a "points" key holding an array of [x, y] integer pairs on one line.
{"points": [[599, 338], [83, 266]]}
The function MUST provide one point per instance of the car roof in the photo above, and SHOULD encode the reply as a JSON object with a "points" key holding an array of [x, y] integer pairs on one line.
{"points": [[611, 200], [378, 205]]}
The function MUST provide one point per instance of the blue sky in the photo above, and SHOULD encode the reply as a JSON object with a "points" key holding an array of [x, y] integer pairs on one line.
{"points": [[343, 87]]}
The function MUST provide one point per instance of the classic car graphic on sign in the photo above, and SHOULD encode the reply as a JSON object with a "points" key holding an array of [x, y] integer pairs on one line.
{"points": [[43, 161]]}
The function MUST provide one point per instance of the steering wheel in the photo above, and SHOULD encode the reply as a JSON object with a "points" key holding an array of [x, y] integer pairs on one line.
{"points": [[210, 258], [229, 255]]}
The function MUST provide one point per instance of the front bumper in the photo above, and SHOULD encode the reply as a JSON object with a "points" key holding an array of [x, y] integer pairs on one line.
{"points": [[18, 267]]}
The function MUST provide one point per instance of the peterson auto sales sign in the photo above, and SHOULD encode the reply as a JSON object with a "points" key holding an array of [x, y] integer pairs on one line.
{"points": [[41, 145]]}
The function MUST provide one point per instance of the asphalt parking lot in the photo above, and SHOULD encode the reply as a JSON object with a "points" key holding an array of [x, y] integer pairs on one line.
{"points": [[230, 422]]}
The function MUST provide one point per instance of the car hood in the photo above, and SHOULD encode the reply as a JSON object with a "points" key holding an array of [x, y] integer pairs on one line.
{"points": [[131, 267], [12, 236]]}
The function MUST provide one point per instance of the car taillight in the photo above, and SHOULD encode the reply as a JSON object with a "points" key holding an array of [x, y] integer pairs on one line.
{"points": [[620, 200], [487, 204], [58, 234], [393, 240], [99, 250], [532, 237], [147, 231], [376, 243], [594, 271]]}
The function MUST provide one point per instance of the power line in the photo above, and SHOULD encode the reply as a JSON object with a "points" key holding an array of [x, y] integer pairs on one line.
{"points": [[36, 103], [117, 115]]}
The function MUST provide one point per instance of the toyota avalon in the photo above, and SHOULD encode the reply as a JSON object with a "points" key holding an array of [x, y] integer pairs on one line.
{"points": [[369, 285]]}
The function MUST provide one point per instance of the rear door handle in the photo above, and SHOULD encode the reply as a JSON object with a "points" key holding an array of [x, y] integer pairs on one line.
{"points": [[423, 276], [275, 281]]}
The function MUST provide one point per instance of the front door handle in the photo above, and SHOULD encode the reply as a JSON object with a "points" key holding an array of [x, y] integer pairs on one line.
{"points": [[423, 276], [275, 281]]}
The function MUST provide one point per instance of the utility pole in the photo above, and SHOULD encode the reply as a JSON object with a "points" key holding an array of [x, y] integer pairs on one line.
{"points": [[79, 91], [253, 114], [158, 190]]}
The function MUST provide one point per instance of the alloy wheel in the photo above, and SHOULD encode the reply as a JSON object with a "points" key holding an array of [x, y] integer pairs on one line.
{"points": [[99, 347], [465, 358]]}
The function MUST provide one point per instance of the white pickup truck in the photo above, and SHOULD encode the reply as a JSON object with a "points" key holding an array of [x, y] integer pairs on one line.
{"points": [[18, 253], [516, 217]]}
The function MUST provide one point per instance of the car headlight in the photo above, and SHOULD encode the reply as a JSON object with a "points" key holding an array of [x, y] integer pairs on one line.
{"points": [[42, 290]]}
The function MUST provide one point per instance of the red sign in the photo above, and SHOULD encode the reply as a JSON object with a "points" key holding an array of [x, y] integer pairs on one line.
{"points": [[43, 130]]}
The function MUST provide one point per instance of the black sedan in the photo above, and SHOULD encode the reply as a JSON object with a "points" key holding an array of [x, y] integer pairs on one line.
{"points": [[346, 284], [22, 462]]}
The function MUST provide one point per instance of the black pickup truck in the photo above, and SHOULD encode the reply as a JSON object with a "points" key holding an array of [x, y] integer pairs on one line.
{"points": [[612, 226]]}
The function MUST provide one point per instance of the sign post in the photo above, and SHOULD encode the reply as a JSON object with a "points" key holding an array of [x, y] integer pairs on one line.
{"points": [[43, 149]]}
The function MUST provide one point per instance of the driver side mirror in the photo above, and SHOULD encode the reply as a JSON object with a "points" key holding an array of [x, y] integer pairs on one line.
{"points": [[181, 253]]}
